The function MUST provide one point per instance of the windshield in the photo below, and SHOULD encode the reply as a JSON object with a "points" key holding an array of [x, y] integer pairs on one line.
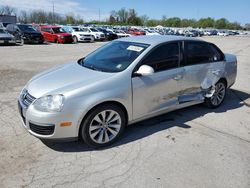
{"points": [[58, 30], [85, 29], [94, 30], [27, 28], [77, 29], [114, 57], [2, 31]]}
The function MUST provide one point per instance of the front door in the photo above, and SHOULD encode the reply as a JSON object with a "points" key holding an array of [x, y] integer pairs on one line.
{"points": [[160, 90]]}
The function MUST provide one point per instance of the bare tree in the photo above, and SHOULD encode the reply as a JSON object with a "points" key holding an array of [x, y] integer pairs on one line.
{"points": [[123, 15], [23, 17], [7, 10], [144, 19]]}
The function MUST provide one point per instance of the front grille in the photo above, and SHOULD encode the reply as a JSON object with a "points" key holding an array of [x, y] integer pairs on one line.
{"points": [[27, 99], [36, 37], [102, 35], [42, 130], [86, 35], [68, 39]]}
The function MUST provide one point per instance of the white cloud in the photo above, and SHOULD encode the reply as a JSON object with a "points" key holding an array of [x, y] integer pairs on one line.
{"points": [[62, 7]]}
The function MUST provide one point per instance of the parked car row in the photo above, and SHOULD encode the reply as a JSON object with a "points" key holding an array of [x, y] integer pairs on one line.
{"points": [[38, 34]]}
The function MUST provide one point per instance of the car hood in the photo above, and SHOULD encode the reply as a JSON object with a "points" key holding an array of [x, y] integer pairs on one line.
{"points": [[63, 34], [35, 33], [82, 33], [100, 33], [6, 35], [64, 79]]}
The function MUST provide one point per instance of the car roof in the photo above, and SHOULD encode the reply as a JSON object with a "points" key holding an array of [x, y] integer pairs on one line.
{"points": [[50, 26], [156, 39]]}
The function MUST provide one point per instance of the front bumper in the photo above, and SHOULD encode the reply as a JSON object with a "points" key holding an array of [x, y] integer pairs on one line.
{"points": [[46, 125], [7, 41], [85, 39]]}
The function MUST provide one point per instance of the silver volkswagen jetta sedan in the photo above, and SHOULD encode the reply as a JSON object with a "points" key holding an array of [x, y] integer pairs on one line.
{"points": [[123, 82]]}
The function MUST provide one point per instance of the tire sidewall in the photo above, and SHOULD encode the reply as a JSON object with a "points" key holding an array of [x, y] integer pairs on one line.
{"points": [[208, 100], [84, 131], [75, 40]]}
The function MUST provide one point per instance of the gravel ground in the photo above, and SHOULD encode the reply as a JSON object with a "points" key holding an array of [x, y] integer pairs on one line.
{"points": [[192, 147]]}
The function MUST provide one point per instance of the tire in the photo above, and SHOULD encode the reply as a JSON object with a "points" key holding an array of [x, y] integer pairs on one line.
{"points": [[22, 41], [219, 95], [75, 40], [96, 133]]}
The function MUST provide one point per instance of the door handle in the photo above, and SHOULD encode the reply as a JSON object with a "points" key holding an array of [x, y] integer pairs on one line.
{"points": [[216, 72], [177, 77]]}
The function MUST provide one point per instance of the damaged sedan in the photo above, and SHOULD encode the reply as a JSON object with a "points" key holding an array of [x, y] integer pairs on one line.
{"points": [[123, 82]]}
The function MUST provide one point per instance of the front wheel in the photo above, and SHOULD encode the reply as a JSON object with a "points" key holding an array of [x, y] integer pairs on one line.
{"points": [[75, 40], [219, 95], [103, 125]]}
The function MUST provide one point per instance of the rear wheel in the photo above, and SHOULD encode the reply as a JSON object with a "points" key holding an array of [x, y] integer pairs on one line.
{"points": [[219, 95], [103, 125]]}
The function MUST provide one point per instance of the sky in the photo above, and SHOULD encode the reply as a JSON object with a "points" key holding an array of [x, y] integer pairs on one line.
{"points": [[233, 10]]}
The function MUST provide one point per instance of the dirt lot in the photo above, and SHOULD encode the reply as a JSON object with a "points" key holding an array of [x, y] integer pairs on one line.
{"points": [[192, 147]]}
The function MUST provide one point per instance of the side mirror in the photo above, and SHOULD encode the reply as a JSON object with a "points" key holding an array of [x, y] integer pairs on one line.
{"points": [[145, 70]]}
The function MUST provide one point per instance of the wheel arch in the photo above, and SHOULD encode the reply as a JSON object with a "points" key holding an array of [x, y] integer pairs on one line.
{"points": [[223, 79], [100, 104]]}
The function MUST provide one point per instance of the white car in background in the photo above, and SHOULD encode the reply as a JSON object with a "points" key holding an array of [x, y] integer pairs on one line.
{"points": [[100, 36], [78, 34], [121, 33], [150, 32], [223, 33]]}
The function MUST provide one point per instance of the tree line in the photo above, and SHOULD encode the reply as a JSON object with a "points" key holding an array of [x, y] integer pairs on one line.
{"points": [[120, 17], [130, 17]]}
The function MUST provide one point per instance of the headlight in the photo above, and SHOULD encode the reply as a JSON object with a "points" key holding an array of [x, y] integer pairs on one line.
{"points": [[60, 36], [24, 91], [49, 103]]}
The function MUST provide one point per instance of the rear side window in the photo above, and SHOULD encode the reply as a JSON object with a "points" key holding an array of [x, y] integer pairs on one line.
{"points": [[10, 27], [46, 30], [201, 52], [163, 57], [217, 54]]}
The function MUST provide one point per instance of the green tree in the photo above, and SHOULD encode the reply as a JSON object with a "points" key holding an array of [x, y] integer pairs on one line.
{"points": [[206, 22], [221, 23], [152, 23]]}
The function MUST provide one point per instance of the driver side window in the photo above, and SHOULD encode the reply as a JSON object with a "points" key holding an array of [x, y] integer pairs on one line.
{"points": [[163, 57]]}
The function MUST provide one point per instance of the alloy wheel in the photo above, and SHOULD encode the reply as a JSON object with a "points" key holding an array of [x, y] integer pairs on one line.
{"points": [[219, 94], [105, 126]]}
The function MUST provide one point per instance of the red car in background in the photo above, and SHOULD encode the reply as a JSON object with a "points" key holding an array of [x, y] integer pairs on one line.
{"points": [[133, 31], [55, 34]]}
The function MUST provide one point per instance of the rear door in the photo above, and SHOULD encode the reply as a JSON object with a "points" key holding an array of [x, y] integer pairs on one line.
{"points": [[199, 73], [160, 90]]}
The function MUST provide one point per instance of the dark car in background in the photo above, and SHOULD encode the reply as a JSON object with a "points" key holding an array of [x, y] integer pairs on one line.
{"points": [[56, 34], [109, 35], [6, 38], [25, 33]]}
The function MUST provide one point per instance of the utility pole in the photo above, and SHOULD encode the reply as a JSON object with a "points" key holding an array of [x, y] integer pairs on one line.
{"points": [[53, 16], [99, 16]]}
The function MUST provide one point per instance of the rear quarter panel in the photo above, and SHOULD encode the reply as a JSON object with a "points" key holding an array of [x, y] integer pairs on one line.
{"points": [[230, 69]]}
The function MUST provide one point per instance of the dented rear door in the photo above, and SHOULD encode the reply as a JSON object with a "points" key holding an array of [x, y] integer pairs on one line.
{"points": [[203, 67]]}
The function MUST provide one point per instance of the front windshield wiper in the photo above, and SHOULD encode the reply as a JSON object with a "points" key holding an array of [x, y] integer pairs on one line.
{"points": [[90, 66]]}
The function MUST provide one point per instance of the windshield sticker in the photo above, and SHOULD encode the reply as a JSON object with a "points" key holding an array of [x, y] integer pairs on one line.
{"points": [[135, 48]]}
